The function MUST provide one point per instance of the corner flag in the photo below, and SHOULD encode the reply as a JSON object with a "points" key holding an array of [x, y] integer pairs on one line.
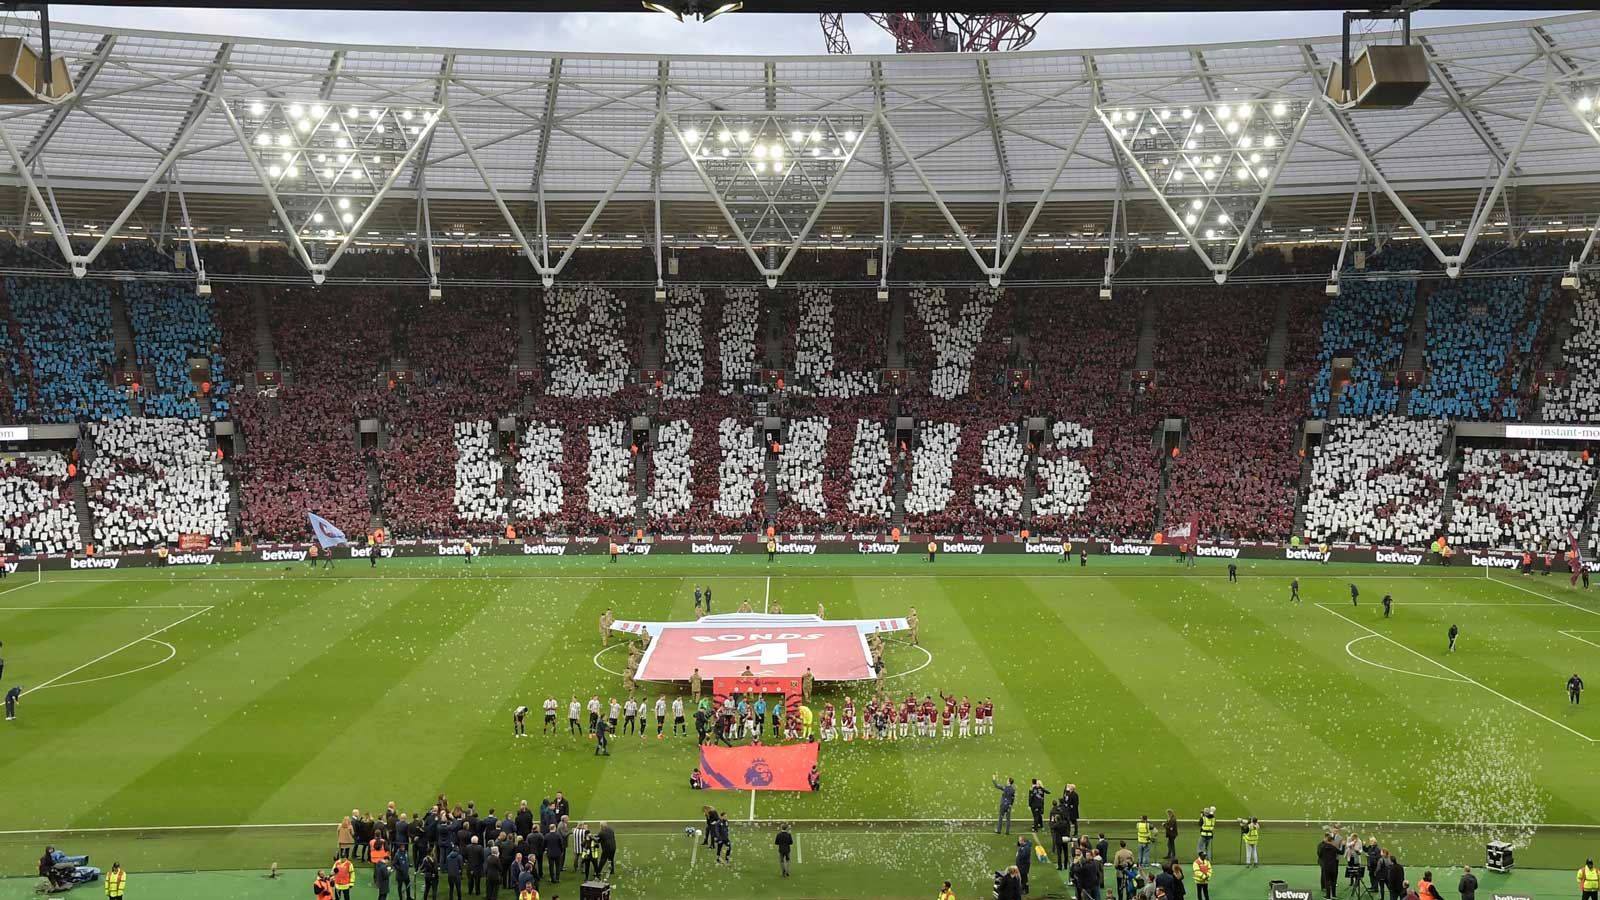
{"points": [[327, 534]]}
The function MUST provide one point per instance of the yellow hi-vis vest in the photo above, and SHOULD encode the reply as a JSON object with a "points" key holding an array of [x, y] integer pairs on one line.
{"points": [[1254, 834], [1144, 832], [116, 883], [1589, 877], [1202, 871], [1208, 826]]}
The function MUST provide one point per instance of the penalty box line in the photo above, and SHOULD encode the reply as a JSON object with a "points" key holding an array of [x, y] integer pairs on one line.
{"points": [[39, 687], [1466, 678]]}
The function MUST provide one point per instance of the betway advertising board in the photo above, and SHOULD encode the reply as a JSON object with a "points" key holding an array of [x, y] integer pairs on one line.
{"points": [[787, 546]]}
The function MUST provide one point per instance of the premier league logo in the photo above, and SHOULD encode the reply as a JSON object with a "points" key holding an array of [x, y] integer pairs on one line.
{"points": [[759, 774]]}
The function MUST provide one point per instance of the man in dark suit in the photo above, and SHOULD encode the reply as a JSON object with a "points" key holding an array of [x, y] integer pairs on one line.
{"points": [[536, 852], [554, 851], [474, 864], [608, 849], [1071, 796], [524, 819]]}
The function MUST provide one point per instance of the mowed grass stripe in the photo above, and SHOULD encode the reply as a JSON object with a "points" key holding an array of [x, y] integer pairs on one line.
{"points": [[76, 623], [549, 653], [135, 721], [1517, 650], [244, 720], [1261, 709], [1020, 650]]}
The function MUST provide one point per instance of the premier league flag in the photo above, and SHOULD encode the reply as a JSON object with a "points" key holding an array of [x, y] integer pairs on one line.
{"points": [[328, 534]]}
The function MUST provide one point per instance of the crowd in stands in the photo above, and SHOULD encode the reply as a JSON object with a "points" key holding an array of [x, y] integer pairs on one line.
{"points": [[1098, 469], [300, 455], [63, 350], [1377, 481], [480, 475], [671, 491], [1579, 399], [870, 497], [326, 337], [741, 474], [1239, 468], [1367, 322], [838, 344], [171, 324], [36, 510], [1480, 331], [800, 468], [953, 326], [466, 343], [149, 481], [1088, 390], [541, 470], [1520, 499], [1064, 484], [611, 495], [685, 351], [737, 340], [586, 331], [1004, 459]]}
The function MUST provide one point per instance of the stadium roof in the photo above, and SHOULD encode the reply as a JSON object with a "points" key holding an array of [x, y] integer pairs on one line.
{"points": [[941, 138]]}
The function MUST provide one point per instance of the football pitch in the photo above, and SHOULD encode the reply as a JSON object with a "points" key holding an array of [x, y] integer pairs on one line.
{"points": [[221, 719]]}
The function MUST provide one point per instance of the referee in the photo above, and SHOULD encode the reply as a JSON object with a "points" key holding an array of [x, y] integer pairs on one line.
{"points": [[1575, 689]]}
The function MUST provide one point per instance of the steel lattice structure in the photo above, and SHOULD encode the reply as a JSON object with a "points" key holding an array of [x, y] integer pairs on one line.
{"points": [[994, 153], [941, 32]]}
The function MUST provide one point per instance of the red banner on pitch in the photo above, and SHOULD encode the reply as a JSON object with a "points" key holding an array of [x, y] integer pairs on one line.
{"points": [[779, 767]]}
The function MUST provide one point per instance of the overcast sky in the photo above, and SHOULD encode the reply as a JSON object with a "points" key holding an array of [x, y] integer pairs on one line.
{"points": [[735, 33]]}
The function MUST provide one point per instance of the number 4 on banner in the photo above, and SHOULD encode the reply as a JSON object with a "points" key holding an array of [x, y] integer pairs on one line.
{"points": [[770, 654]]}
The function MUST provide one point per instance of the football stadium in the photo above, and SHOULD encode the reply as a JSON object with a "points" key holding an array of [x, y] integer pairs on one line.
{"points": [[979, 465]]}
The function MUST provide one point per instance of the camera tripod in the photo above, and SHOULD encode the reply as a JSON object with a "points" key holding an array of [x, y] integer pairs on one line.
{"points": [[1356, 884]]}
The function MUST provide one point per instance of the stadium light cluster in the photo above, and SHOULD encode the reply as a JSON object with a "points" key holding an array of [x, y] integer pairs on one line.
{"points": [[326, 162], [768, 169], [1210, 164]]}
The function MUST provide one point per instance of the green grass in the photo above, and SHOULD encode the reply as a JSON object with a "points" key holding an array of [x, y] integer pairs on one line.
{"points": [[298, 695]]}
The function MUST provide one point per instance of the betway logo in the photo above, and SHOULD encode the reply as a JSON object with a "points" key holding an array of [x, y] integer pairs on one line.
{"points": [[1307, 553], [1042, 548], [1409, 559], [366, 552], [544, 549], [864, 547], [634, 549], [962, 547], [11, 568], [1128, 549], [93, 562], [1494, 562], [283, 556], [802, 549], [457, 550], [1224, 552], [719, 549], [191, 559]]}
